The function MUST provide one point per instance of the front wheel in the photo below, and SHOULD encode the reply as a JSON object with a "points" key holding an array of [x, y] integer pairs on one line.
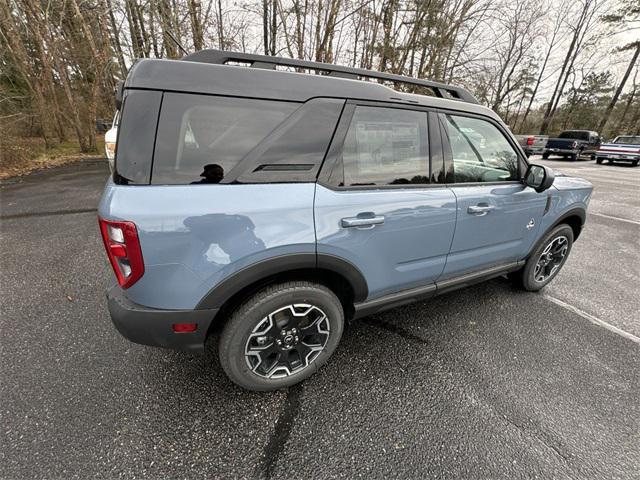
{"points": [[546, 260], [599, 161], [281, 335], [635, 163], [545, 156]]}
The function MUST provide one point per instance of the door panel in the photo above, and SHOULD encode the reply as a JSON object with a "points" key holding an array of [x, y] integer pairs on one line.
{"points": [[497, 215], [407, 250], [500, 233]]}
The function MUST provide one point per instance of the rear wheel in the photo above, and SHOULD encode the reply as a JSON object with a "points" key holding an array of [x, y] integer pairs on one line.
{"points": [[281, 335], [546, 260], [635, 163], [545, 156], [599, 161]]}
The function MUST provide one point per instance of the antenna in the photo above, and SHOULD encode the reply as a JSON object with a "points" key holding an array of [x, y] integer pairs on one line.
{"points": [[176, 42]]}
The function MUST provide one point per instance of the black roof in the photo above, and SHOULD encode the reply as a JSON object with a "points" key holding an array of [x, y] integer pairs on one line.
{"points": [[215, 72]]}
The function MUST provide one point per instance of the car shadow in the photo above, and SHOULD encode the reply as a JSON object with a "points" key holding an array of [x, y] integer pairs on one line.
{"points": [[202, 376]]}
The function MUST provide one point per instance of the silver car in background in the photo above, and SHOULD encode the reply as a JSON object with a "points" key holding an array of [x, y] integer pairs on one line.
{"points": [[532, 144]]}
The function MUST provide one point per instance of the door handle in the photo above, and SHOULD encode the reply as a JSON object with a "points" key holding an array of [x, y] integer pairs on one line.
{"points": [[363, 221], [479, 210]]}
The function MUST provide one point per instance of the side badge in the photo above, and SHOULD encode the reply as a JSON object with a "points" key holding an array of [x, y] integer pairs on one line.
{"points": [[531, 224]]}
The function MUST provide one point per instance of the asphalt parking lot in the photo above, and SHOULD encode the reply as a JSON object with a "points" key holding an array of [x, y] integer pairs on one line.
{"points": [[487, 382]]}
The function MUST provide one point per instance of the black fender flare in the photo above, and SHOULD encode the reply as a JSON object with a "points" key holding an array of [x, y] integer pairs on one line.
{"points": [[227, 288], [574, 212]]}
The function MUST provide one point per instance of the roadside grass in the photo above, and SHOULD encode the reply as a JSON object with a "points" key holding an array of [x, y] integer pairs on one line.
{"points": [[22, 155]]}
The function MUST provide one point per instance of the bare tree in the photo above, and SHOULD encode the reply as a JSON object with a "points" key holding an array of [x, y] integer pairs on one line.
{"points": [[587, 13]]}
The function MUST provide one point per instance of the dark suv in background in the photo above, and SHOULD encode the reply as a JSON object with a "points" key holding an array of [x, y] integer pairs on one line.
{"points": [[273, 201]]}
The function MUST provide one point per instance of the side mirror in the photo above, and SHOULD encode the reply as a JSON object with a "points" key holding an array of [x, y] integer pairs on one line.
{"points": [[539, 177]]}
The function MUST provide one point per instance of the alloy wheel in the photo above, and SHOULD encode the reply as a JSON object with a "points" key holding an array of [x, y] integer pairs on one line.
{"points": [[551, 259], [287, 340]]}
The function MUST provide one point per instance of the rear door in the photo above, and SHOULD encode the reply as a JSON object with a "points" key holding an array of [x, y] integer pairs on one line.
{"points": [[497, 215], [378, 202]]}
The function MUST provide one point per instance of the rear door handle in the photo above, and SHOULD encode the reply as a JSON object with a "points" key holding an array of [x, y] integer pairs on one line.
{"points": [[363, 221], [479, 210]]}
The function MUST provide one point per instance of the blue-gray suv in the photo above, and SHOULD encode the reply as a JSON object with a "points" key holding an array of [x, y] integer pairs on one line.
{"points": [[269, 200]]}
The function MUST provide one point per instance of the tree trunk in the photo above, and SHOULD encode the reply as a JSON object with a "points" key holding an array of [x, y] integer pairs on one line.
{"points": [[195, 14], [26, 70], [566, 68], [614, 100], [116, 41], [166, 24], [265, 25]]}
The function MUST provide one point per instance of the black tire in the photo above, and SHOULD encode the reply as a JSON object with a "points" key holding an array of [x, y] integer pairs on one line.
{"points": [[545, 156], [235, 338], [634, 163], [599, 161], [610, 162], [574, 156], [525, 277]]}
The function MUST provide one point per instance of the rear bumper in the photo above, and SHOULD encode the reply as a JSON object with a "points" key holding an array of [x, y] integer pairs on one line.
{"points": [[534, 150], [618, 157], [151, 326], [561, 151]]}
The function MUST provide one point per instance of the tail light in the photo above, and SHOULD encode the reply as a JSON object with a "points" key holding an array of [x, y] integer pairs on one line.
{"points": [[123, 249], [530, 141], [110, 150]]}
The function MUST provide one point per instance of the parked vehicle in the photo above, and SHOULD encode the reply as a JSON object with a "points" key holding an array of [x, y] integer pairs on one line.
{"points": [[572, 144], [110, 138], [532, 144], [624, 148], [274, 205]]}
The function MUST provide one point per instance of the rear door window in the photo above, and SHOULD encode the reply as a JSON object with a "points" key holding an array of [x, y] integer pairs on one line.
{"points": [[201, 138], [386, 146]]}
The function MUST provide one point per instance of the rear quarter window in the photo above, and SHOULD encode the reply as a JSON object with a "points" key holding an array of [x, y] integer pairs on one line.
{"points": [[136, 135]]}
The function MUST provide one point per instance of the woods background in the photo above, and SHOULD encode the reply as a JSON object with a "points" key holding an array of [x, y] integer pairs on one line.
{"points": [[542, 65]]}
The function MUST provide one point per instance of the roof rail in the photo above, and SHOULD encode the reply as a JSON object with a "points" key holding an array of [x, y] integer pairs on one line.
{"points": [[221, 57]]}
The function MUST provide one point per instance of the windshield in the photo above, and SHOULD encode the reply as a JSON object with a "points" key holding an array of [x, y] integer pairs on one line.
{"points": [[575, 135], [628, 140]]}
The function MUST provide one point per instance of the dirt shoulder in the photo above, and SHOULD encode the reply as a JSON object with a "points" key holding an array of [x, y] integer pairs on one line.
{"points": [[25, 155]]}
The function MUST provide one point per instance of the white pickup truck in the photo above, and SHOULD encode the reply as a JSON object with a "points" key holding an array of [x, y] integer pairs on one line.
{"points": [[110, 140], [624, 148]]}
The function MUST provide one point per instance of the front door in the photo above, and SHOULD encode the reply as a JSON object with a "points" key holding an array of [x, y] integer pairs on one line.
{"points": [[497, 215], [376, 207]]}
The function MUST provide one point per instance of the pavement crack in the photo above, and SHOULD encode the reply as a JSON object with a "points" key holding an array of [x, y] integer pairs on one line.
{"points": [[394, 329], [278, 439], [48, 214]]}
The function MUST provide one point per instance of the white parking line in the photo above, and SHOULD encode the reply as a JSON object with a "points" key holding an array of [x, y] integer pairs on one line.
{"points": [[593, 319], [615, 218]]}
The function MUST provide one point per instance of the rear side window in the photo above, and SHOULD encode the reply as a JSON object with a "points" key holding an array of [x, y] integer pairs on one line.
{"points": [[480, 152], [575, 135], [627, 140], [136, 135], [386, 146], [201, 138]]}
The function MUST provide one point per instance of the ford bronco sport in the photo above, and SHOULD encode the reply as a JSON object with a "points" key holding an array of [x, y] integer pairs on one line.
{"points": [[278, 199]]}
